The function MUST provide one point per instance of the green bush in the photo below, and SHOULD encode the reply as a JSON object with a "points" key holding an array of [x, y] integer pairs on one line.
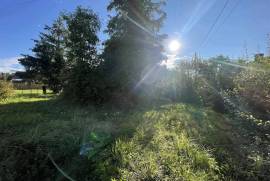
{"points": [[85, 86], [6, 90], [252, 87]]}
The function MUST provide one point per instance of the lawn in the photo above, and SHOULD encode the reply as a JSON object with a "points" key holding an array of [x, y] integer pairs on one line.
{"points": [[45, 138]]}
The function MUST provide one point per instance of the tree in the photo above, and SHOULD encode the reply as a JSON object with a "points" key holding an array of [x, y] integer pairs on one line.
{"points": [[48, 61], [82, 82], [133, 48], [83, 26]]}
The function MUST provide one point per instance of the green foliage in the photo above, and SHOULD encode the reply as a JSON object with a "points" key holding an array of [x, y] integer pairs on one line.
{"points": [[6, 90], [82, 25], [66, 57], [198, 81], [84, 83], [48, 63], [181, 83], [253, 87], [133, 48], [167, 145], [171, 142], [98, 141], [33, 125], [161, 149], [215, 76]]}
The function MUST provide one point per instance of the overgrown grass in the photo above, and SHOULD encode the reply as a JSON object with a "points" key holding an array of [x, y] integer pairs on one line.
{"points": [[169, 142], [185, 142], [33, 125], [163, 148]]}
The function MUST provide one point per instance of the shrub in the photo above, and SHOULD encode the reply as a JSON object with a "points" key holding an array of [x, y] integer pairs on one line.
{"points": [[210, 96], [85, 86], [6, 90], [252, 86]]}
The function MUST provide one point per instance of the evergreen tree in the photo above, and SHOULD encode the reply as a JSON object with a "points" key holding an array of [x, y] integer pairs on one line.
{"points": [[83, 26], [134, 46], [82, 81], [48, 61]]}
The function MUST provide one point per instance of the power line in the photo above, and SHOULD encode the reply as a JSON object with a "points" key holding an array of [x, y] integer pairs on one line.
{"points": [[230, 13], [214, 24]]}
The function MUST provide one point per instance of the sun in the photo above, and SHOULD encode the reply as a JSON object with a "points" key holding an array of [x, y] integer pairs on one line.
{"points": [[174, 45]]}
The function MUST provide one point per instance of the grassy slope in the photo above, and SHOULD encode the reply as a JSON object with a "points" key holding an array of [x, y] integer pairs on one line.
{"points": [[176, 141], [163, 147], [183, 142]]}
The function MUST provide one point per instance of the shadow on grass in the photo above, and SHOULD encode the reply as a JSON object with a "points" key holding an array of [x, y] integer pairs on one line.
{"points": [[31, 130], [18, 113]]}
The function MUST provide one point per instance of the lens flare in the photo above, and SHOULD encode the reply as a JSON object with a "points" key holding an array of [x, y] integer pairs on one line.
{"points": [[174, 45]]}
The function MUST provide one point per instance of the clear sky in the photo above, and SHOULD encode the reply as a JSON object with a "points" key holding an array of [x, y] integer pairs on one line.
{"points": [[243, 24]]}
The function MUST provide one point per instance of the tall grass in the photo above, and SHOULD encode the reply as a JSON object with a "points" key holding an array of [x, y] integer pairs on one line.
{"points": [[33, 125], [161, 149], [169, 142]]}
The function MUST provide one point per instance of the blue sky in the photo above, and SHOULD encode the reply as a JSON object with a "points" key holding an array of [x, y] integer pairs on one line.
{"points": [[243, 23]]}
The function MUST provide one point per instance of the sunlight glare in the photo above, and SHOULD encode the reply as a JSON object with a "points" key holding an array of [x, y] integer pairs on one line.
{"points": [[174, 45]]}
